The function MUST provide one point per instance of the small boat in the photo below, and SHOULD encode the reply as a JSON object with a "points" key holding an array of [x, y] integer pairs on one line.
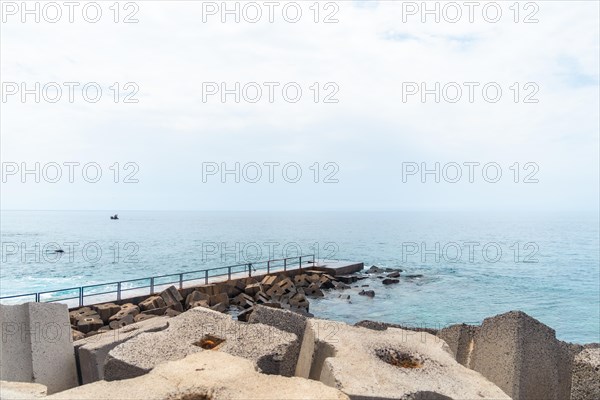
{"points": [[116, 216]]}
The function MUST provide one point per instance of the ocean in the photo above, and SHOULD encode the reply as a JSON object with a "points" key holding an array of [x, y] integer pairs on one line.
{"points": [[473, 265]]}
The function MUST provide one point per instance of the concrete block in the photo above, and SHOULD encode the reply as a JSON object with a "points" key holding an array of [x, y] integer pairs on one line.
{"points": [[586, 375], [172, 297], [88, 324], [106, 310], [387, 364], [36, 345], [207, 375], [268, 347], [92, 352], [268, 281], [194, 297], [219, 298], [252, 289], [126, 320], [522, 356], [461, 339], [301, 280], [152, 303], [282, 319], [126, 309], [22, 390], [82, 312], [172, 313], [313, 290]]}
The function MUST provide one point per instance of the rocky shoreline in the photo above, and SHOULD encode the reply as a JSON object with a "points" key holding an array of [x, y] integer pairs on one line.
{"points": [[194, 341]]}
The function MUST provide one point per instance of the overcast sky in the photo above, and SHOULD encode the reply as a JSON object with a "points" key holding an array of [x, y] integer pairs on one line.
{"points": [[376, 54]]}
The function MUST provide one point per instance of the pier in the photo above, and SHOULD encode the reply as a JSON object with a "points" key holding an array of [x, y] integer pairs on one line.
{"points": [[127, 290]]}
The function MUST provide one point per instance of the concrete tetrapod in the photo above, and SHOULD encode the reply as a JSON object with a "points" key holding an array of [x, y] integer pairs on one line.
{"points": [[201, 329], [388, 364], [209, 375]]}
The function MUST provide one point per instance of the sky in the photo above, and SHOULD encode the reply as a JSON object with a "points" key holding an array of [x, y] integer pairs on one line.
{"points": [[358, 137]]}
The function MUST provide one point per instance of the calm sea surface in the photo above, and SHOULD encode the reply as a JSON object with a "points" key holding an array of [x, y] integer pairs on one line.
{"points": [[473, 265]]}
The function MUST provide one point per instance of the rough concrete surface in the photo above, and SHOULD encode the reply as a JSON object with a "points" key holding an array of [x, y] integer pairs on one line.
{"points": [[523, 357], [21, 390], [269, 348], [209, 375], [37, 346], [586, 375], [389, 364], [92, 352], [286, 321]]}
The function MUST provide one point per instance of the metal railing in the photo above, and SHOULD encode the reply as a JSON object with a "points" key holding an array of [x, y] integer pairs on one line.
{"points": [[201, 276]]}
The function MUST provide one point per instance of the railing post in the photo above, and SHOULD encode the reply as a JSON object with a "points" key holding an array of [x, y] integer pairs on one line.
{"points": [[285, 264], [268, 266], [206, 277], [80, 296], [228, 273], [118, 291], [37, 297], [152, 285], [249, 269], [180, 281], [300, 262], [313, 259]]}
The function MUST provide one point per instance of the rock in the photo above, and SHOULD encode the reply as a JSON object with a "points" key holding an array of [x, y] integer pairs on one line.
{"points": [[586, 375], [88, 324], [388, 281], [414, 276], [344, 296], [261, 298], [389, 364], [91, 352], [269, 348], [380, 326], [106, 310], [375, 270], [172, 298], [126, 309], [395, 274], [152, 303], [340, 285], [36, 345], [392, 270], [22, 390], [368, 293], [206, 375], [313, 290], [347, 279]]}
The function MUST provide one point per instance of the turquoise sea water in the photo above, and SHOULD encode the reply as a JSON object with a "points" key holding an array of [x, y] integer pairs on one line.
{"points": [[473, 265]]}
